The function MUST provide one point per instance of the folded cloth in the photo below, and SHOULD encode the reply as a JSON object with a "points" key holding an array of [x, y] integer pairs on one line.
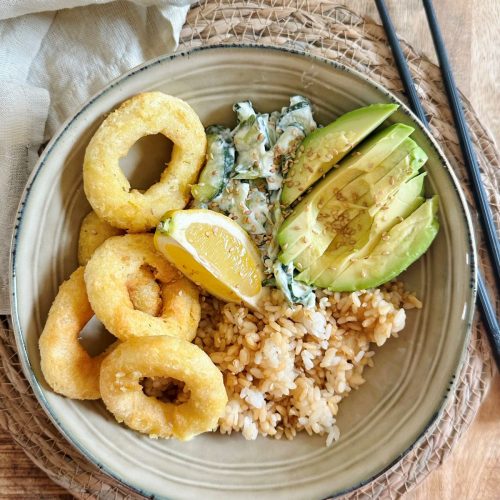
{"points": [[15, 8], [51, 61]]}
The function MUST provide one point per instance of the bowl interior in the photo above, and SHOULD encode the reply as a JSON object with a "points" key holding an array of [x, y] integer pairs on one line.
{"points": [[412, 374]]}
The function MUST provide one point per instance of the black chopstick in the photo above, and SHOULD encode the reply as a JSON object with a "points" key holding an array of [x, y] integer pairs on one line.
{"points": [[472, 165], [489, 312], [399, 58], [491, 320], [465, 141]]}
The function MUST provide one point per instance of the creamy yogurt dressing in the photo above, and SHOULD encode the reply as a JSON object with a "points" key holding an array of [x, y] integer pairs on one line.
{"points": [[265, 146]]}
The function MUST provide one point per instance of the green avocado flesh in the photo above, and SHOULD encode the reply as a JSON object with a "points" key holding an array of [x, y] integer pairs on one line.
{"points": [[325, 147], [367, 193], [367, 220], [379, 191], [364, 232], [399, 248], [359, 183]]}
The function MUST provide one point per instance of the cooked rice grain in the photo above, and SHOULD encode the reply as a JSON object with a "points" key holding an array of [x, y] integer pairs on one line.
{"points": [[287, 369]]}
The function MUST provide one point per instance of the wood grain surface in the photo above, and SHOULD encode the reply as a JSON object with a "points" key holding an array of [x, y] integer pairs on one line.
{"points": [[472, 471]]}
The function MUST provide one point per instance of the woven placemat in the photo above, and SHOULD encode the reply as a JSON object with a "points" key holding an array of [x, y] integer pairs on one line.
{"points": [[336, 33]]}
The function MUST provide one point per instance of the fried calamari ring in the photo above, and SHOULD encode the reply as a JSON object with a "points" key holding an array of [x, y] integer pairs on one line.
{"points": [[145, 292], [124, 368], [112, 268], [107, 188], [93, 232], [66, 365]]}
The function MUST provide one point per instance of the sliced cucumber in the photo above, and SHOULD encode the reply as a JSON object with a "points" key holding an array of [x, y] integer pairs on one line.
{"points": [[299, 111], [282, 152], [219, 165], [247, 206], [251, 140], [244, 110], [294, 291], [272, 132]]}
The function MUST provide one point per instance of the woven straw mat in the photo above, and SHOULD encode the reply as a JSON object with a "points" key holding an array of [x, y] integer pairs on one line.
{"points": [[338, 34]]}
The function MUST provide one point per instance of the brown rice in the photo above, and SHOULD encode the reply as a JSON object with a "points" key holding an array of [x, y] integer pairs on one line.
{"points": [[288, 368]]}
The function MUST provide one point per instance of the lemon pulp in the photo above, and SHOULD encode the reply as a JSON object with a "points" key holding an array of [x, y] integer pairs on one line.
{"points": [[214, 252], [226, 254], [199, 274]]}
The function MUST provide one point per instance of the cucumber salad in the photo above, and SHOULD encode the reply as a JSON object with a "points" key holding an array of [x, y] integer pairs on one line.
{"points": [[243, 179]]}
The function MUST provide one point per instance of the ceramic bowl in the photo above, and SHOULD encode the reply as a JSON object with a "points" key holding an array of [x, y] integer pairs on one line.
{"points": [[405, 391]]}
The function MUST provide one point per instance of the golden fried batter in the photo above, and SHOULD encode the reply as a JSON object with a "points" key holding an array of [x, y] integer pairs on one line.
{"points": [[107, 188], [66, 365], [145, 292], [93, 233], [107, 274], [124, 368]]}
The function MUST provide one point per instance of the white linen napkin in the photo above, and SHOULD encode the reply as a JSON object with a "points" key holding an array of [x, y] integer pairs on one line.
{"points": [[53, 58]]}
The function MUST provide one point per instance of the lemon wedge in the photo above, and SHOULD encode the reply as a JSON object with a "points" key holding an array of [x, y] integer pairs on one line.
{"points": [[213, 251]]}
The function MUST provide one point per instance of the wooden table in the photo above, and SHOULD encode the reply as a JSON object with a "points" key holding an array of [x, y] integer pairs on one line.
{"points": [[473, 469]]}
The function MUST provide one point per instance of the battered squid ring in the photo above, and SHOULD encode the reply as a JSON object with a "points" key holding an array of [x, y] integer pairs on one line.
{"points": [[66, 365], [93, 233], [107, 188], [107, 275], [145, 293], [122, 393]]}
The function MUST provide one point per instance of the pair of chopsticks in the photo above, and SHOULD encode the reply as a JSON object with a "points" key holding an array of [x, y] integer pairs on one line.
{"points": [[466, 146]]}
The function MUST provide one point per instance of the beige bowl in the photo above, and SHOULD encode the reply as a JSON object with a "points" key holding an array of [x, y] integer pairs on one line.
{"points": [[404, 393]]}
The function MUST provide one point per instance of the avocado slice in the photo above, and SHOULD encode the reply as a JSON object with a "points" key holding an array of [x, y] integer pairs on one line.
{"points": [[365, 231], [402, 246], [379, 185], [325, 147], [297, 230], [368, 191]]}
